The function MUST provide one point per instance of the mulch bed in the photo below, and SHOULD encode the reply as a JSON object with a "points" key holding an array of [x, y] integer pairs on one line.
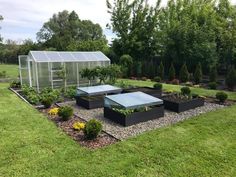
{"points": [[102, 140]]}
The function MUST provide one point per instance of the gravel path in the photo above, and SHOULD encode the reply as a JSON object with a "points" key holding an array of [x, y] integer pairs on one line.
{"points": [[122, 133]]}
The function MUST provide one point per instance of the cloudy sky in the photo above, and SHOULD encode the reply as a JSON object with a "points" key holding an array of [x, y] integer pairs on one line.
{"points": [[24, 18]]}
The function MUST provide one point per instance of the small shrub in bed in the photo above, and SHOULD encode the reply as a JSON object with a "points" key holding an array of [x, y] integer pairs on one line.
{"points": [[157, 86], [15, 84], [185, 90], [70, 92], [157, 79], [47, 101], [221, 96], [212, 85], [65, 112], [92, 129]]}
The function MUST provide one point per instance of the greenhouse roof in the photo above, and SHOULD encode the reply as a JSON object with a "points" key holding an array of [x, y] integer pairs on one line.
{"points": [[65, 56]]}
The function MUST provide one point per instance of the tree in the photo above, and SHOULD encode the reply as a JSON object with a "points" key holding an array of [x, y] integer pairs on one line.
{"points": [[126, 62], [65, 29], [184, 74], [231, 78], [1, 18], [161, 71], [198, 74], [171, 75], [213, 74]]}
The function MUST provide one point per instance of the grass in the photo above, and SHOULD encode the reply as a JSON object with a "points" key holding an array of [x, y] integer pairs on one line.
{"points": [[31, 145], [199, 91], [12, 70]]}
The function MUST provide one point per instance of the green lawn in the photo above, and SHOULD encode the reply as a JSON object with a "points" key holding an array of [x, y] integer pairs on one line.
{"points": [[12, 70], [30, 145], [199, 91]]}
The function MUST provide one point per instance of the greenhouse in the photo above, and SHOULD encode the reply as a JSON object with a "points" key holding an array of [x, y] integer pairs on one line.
{"points": [[40, 69]]}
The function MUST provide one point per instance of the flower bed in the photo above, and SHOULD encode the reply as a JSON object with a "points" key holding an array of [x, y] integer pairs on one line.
{"points": [[148, 90], [131, 117], [179, 103]]}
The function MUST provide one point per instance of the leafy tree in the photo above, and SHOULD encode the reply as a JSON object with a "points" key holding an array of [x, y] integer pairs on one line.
{"points": [[171, 75], [161, 71], [198, 73], [184, 74], [65, 29], [126, 62], [213, 74], [231, 78], [1, 18]]}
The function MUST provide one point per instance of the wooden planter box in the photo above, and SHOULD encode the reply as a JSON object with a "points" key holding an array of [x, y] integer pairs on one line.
{"points": [[135, 117], [90, 103], [183, 106], [148, 90]]}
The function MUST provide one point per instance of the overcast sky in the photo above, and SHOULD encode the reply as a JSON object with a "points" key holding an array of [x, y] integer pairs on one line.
{"points": [[24, 18]]}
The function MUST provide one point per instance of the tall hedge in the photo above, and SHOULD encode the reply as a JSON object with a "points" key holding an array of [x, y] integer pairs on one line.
{"points": [[231, 78]]}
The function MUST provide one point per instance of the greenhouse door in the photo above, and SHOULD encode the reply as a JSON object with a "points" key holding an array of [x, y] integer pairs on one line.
{"points": [[57, 74]]}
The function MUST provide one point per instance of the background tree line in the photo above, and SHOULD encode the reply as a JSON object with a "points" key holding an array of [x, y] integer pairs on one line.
{"points": [[184, 32], [65, 31]]}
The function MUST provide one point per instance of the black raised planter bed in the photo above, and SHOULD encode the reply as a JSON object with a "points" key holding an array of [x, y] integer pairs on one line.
{"points": [[148, 90], [135, 117], [90, 102], [182, 105]]}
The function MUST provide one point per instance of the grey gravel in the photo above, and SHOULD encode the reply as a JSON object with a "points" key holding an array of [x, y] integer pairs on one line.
{"points": [[122, 133]]}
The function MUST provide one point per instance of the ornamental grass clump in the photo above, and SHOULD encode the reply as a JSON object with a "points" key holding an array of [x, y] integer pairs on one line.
{"points": [[65, 112], [92, 129]]}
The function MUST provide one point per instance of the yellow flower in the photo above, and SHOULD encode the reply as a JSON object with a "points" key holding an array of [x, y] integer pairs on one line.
{"points": [[78, 126], [53, 111]]}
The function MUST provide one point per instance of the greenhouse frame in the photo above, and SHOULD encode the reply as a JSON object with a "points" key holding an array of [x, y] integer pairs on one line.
{"points": [[40, 69]]}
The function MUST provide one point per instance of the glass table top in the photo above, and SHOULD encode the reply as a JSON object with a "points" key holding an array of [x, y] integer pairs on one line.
{"points": [[132, 100], [99, 89]]}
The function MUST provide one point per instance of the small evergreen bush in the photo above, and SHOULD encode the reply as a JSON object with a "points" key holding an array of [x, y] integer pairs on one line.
{"points": [[185, 90], [161, 71], [92, 129], [213, 74], [157, 79], [184, 74], [212, 85], [198, 74], [231, 78], [221, 96], [65, 112], [171, 75], [158, 86]]}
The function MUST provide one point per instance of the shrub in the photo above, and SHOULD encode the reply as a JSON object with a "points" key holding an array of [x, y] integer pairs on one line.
{"points": [[171, 75], [212, 85], [15, 84], [213, 74], [3, 74], [157, 86], [70, 92], [185, 90], [157, 79], [92, 129], [47, 101], [160, 71], [221, 96], [198, 74], [65, 112], [189, 84], [33, 98], [184, 74], [174, 82], [231, 78], [126, 61]]}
